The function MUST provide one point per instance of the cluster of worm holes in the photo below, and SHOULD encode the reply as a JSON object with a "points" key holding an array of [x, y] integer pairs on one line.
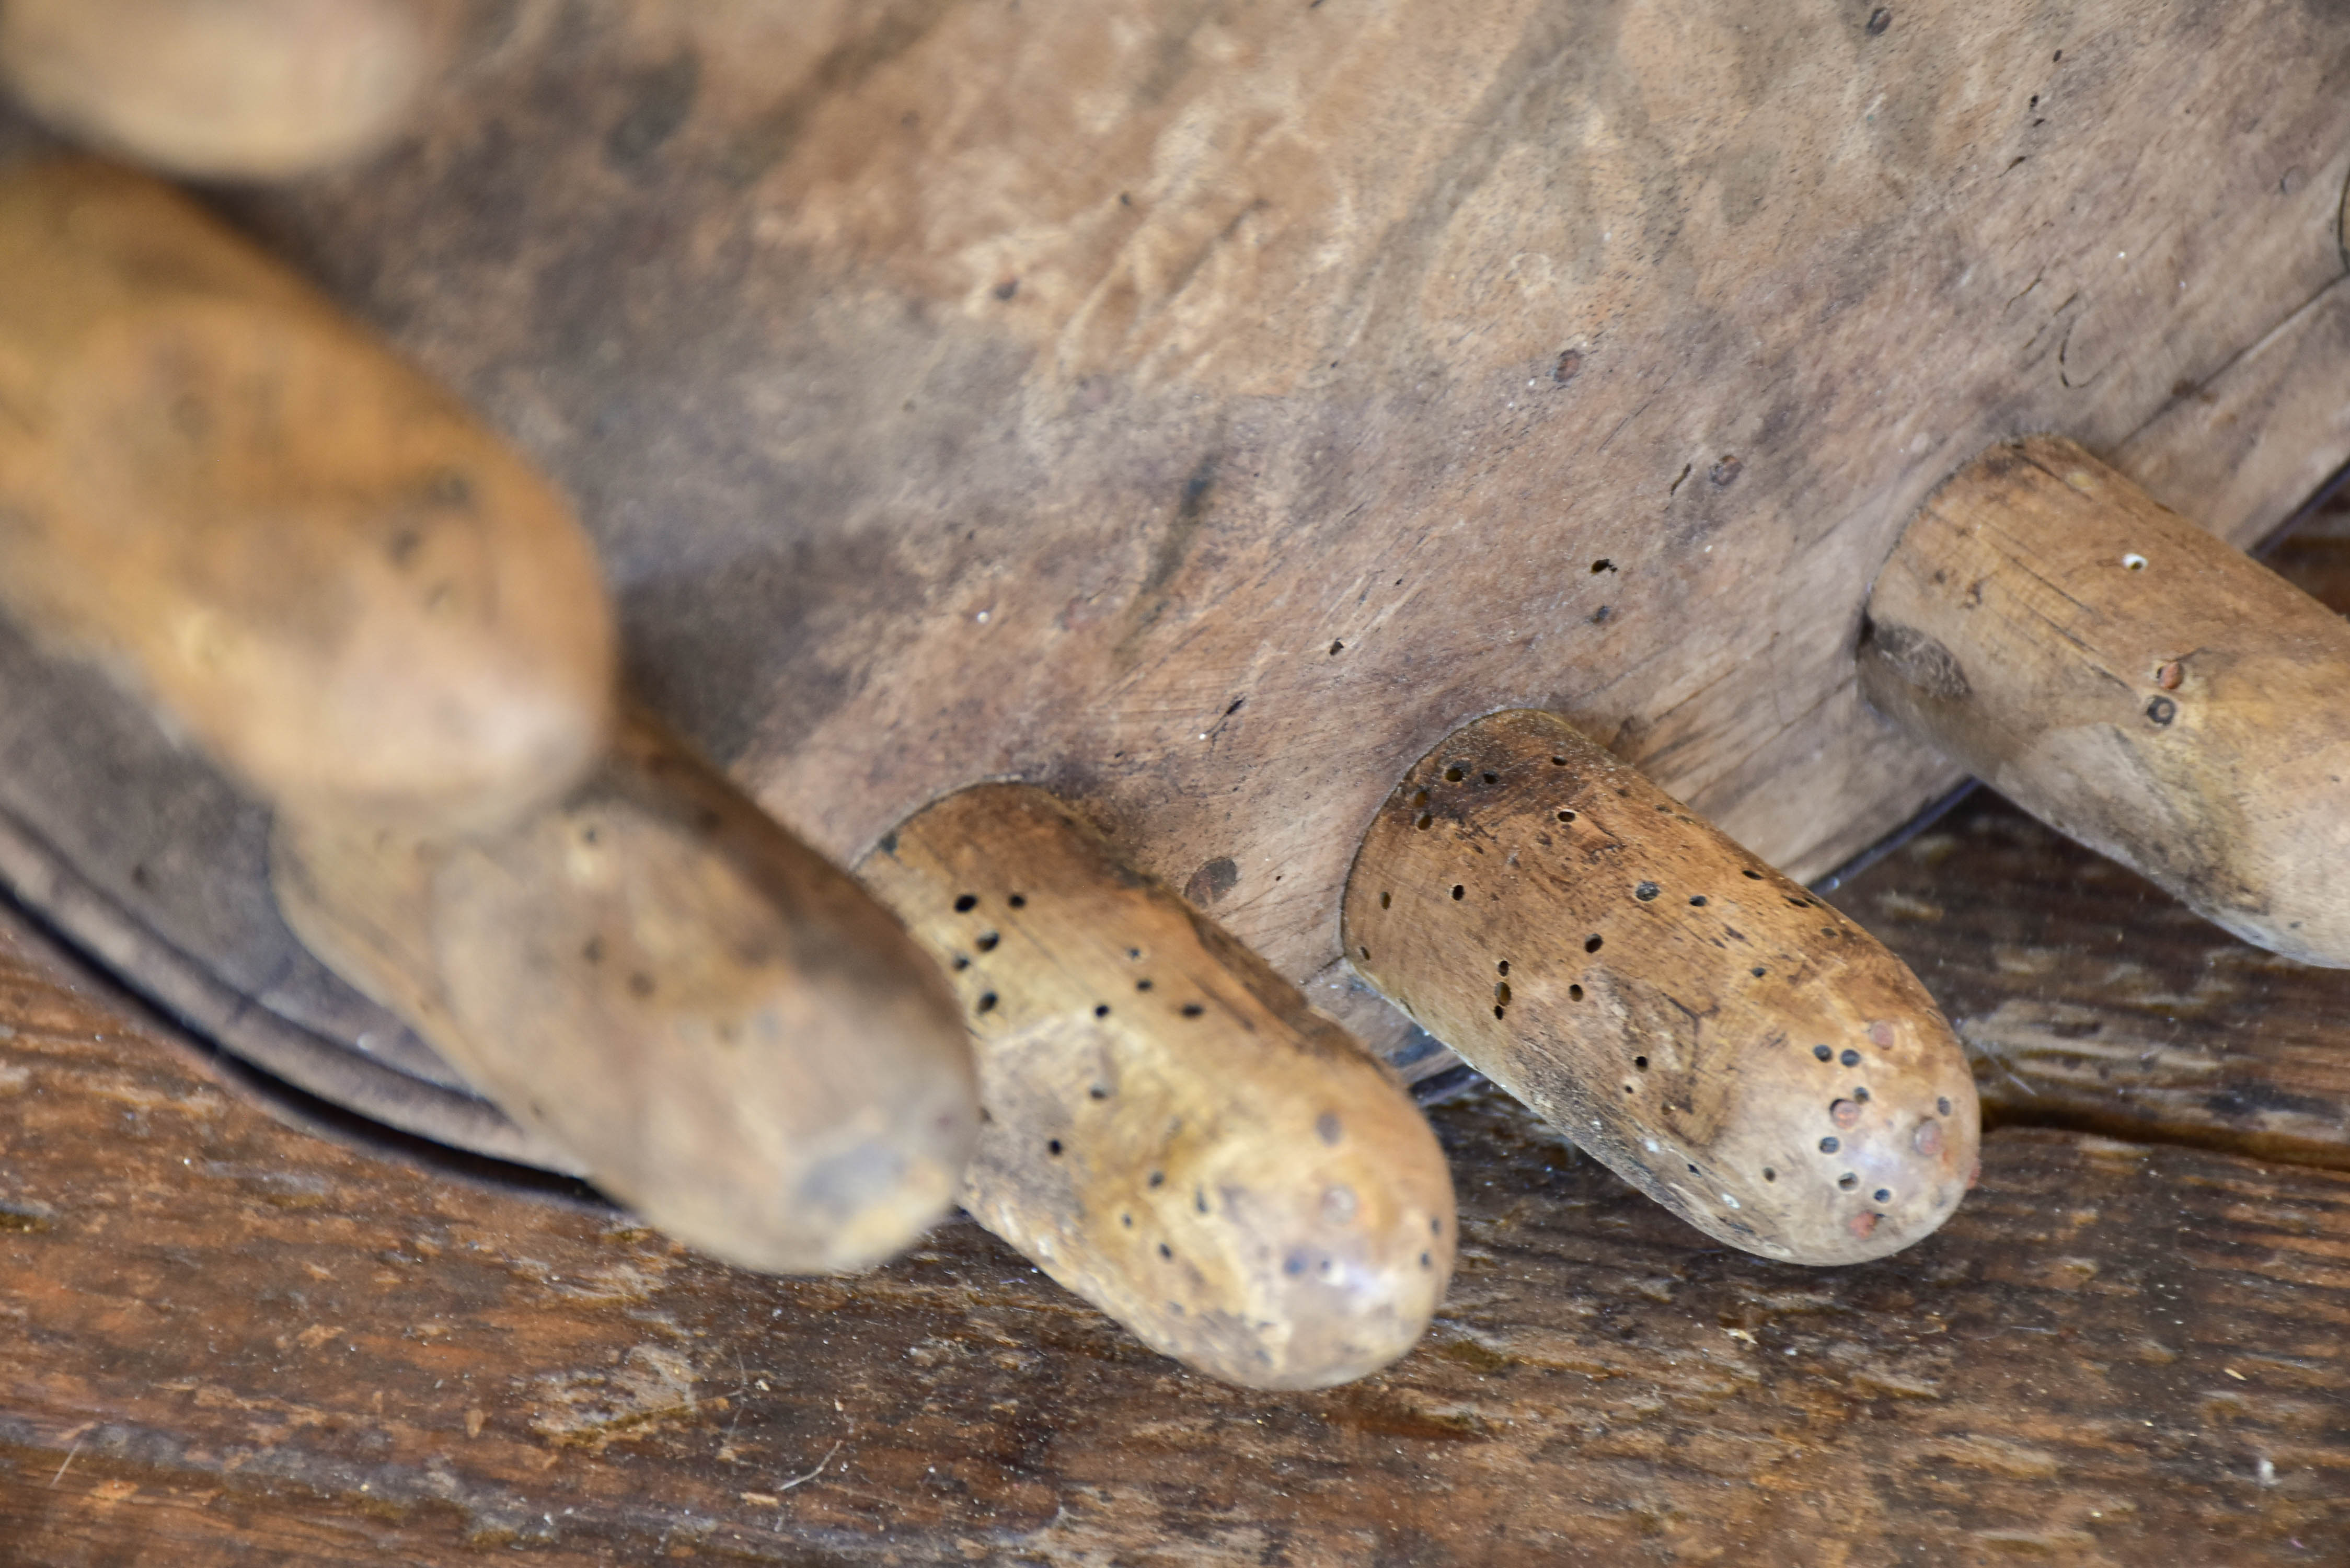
{"points": [[1326, 1126], [1647, 892]]}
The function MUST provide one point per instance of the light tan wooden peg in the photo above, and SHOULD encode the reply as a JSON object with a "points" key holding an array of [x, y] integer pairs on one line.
{"points": [[731, 1037], [224, 89], [1171, 1132], [298, 549], [2131, 681], [1722, 1040]]}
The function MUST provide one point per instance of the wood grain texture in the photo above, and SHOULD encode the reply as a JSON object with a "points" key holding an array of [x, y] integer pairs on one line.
{"points": [[2131, 681], [307, 557], [1171, 1132], [224, 1343], [724, 1032], [1715, 1034], [1176, 410]]}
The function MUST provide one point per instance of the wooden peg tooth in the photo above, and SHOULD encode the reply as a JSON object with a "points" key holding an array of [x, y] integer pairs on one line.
{"points": [[732, 1037], [1171, 1132], [1721, 1039], [297, 548], [2131, 681], [230, 89]]}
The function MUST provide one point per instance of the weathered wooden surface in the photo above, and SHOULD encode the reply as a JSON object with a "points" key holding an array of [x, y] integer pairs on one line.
{"points": [[224, 1341], [1203, 413]]}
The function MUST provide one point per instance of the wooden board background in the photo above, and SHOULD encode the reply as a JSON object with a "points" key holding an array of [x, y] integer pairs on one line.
{"points": [[1201, 408]]}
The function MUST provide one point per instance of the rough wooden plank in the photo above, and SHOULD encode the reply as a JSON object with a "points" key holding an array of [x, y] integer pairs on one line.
{"points": [[1203, 413], [228, 1343]]}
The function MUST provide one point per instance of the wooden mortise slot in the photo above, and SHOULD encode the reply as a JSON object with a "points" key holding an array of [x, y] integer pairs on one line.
{"points": [[731, 1037], [1171, 1132], [2130, 680], [1720, 1038], [303, 553]]}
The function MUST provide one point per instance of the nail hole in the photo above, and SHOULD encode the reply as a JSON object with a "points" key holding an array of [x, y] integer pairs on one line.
{"points": [[1425, 821], [1693, 1170], [1053, 1148], [1193, 1010], [1499, 1009], [1166, 1252], [1752, 875], [1491, 777], [1127, 1220], [1018, 900], [966, 903], [1453, 774], [1602, 565], [1758, 972], [1847, 1181], [1143, 985], [1366, 952], [1424, 1262], [1768, 1174], [1944, 1106], [1829, 1146], [1697, 902], [1098, 1093], [1503, 968], [1566, 816], [1884, 1195], [1860, 1093], [986, 1002], [1458, 892], [1336, 649], [1851, 1058], [1822, 1052], [1558, 762], [1575, 993], [1641, 1062], [961, 962], [2133, 561], [1199, 1198], [1502, 993], [1592, 944], [1101, 1009], [1158, 1178], [1386, 900], [1645, 891], [986, 942], [1134, 952]]}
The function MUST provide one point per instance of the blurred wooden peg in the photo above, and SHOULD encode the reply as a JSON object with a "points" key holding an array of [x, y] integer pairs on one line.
{"points": [[1171, 1132], [297, 548], [730, 1035], [1720, 1038], [229, 89], [2131, 681]]}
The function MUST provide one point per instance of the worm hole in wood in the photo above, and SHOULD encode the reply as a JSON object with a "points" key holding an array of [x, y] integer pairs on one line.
{"points": [[1592, 944], [1758, 972], [1386, 899], [1883, 1195], [1425, 821], [1454, 773], [1768, 1174], [1823, 1053], [1491, 777], [965, 904], [1645, 891], [1053, 1147], [1101, 1009], [1575, 993], [1459, 892], [1851, 1058], [1641, 1062], [1943, 1106], [1847, 1181], [1697, 902], [1018, 900], [1143, 985], [986, 941], [1829, 1146], [1193, 1010], [986, 1002], [1752, 875], [1566, 816]]}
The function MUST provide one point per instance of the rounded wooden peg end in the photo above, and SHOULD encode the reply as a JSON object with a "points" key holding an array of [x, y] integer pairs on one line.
{"points": [[315, 562], [736, 1042], [1721, 1039], [1172, 1132], [224, 89]]}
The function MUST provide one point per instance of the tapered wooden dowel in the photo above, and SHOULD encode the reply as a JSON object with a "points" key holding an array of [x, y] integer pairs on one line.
{"points": [[2131, 681], [301, 550], [730, 1035], [1171, 1132], [1720, 1038], [222, 88]]}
